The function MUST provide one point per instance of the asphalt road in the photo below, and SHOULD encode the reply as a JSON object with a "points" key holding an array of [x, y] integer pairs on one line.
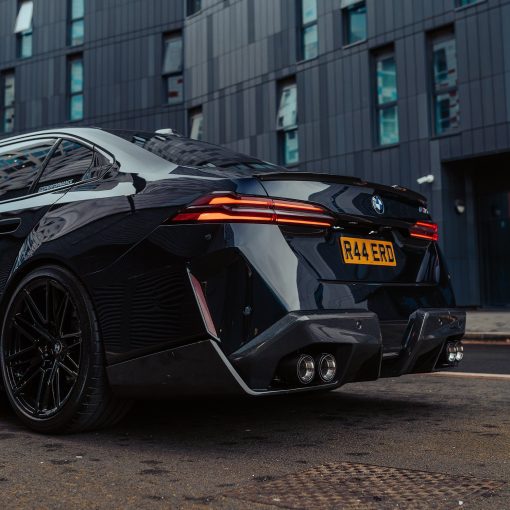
{"points": [[447, 436], [483, 358]]}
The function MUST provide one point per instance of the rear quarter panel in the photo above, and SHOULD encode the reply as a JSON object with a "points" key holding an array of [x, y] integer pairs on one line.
{"points": [[104, 232]]}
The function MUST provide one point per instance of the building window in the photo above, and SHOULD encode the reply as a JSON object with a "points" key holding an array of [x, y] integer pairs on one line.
{"points": [[172, 68], [286, 124], [193, 6], [354, 13], [76, 88], [76, 22], [196, 123], [309, 31], [7, 104], [444, 74], [463, 3], [23, 28], [387, 97]]}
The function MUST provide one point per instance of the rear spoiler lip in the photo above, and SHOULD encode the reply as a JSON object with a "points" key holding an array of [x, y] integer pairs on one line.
{"points": [[397, 191]]}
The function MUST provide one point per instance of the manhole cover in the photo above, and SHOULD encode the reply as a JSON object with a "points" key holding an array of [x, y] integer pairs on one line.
{"points": [[355, 486]]}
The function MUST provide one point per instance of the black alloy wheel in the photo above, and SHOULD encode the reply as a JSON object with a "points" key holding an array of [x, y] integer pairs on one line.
{"points": [[52, 357], [43, 347]]}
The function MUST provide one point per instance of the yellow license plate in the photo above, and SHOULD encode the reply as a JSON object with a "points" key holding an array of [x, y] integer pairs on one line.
{"points": [[367, 251]]}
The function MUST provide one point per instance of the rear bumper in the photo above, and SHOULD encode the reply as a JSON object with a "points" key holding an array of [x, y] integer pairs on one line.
{"points": [[424, 341], [354, 338]]}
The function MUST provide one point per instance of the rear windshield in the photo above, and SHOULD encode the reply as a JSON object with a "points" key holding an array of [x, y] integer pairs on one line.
{"points": [[188, 152]]}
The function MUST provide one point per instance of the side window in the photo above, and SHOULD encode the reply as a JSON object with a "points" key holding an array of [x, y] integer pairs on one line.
{"points": [[69, 164], [19, 166]]}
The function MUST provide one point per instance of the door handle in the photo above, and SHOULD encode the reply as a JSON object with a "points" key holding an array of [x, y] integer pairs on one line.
{"points": [[10, 225]]}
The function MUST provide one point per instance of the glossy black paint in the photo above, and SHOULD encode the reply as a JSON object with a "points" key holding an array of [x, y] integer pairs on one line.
{"points": [[113, 230]]}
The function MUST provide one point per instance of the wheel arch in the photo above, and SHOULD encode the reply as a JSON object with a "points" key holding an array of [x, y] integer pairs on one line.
{"points": [[15, 279], [91, 402], [31, 265]]}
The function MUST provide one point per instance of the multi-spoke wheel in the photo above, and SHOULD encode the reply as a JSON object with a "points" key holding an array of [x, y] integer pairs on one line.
{"points": [[52, 358], [43, 346]]}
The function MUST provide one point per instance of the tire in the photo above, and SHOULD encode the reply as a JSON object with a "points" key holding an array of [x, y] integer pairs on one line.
{"points": [[52, 358]]}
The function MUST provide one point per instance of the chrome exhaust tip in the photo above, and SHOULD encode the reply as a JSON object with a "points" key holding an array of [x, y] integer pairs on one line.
{"points": [[454, 352], [305, 368], [327, 367], [460, 352]]}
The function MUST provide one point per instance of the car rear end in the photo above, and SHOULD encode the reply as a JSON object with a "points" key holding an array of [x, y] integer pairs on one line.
{"points": [[323, 275], [302, 281]]}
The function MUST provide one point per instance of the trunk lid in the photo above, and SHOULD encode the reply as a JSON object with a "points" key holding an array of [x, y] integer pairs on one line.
{"points": [[348, 196], [418, 278]]}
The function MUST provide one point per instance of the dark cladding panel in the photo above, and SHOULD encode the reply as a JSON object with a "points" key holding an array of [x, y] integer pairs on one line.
{"points": [[475, 100], [484, 47], [388, 15], [473, 44]]}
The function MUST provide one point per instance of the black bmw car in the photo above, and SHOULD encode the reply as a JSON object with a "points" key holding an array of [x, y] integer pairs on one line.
{"points": [[145, 264]]}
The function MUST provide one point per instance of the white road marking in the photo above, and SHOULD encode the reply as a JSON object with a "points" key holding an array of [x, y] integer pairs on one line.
{"points": [[474, 375]]}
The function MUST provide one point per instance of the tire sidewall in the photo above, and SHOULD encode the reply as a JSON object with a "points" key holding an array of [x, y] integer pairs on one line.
{"points": [[64, 418]]}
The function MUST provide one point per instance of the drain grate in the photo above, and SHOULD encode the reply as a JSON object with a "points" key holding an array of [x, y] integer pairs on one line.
{"points": [[360, 486]]}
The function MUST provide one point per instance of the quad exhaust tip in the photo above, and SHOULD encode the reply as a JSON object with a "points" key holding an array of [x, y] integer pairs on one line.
{"points": [[327, 367], [324, 366], [305, 369], [454, 352]]}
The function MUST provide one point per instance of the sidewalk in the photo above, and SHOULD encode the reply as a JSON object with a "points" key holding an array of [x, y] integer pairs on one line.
{"points": [[488, 325]]}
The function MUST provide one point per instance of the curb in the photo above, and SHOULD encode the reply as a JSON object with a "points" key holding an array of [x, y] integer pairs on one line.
{"points": [[492, 337]]}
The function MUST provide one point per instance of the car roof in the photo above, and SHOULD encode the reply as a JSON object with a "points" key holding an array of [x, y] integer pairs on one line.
{"points": [[90, 134], [122, 150], [145, 144]]}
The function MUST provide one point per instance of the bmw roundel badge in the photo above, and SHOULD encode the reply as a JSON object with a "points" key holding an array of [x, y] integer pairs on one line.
{"points": [[378, 204]]}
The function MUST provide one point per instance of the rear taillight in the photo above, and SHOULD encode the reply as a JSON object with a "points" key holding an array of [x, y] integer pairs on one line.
{"points": [[424, 230], [233, 208]]}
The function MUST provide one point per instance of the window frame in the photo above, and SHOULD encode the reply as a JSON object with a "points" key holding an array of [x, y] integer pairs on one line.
{"points": [[303, 28], [379, 56], [11, 142], [194, 113], [92, 148], [192, 11], [70, 93], [24, 35], [347, 7], [58, 137], [458, 5], [21, 40], [167, 75], [3, 106], [438, 36], [71, 21], [283, 130]]}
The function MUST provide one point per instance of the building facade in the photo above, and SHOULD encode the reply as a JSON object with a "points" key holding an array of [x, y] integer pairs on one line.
{"points": [[387, 90]]}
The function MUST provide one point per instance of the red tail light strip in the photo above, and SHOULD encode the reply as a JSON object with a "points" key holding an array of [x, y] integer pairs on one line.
{"points": [[229, 207], [424, 230]]}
